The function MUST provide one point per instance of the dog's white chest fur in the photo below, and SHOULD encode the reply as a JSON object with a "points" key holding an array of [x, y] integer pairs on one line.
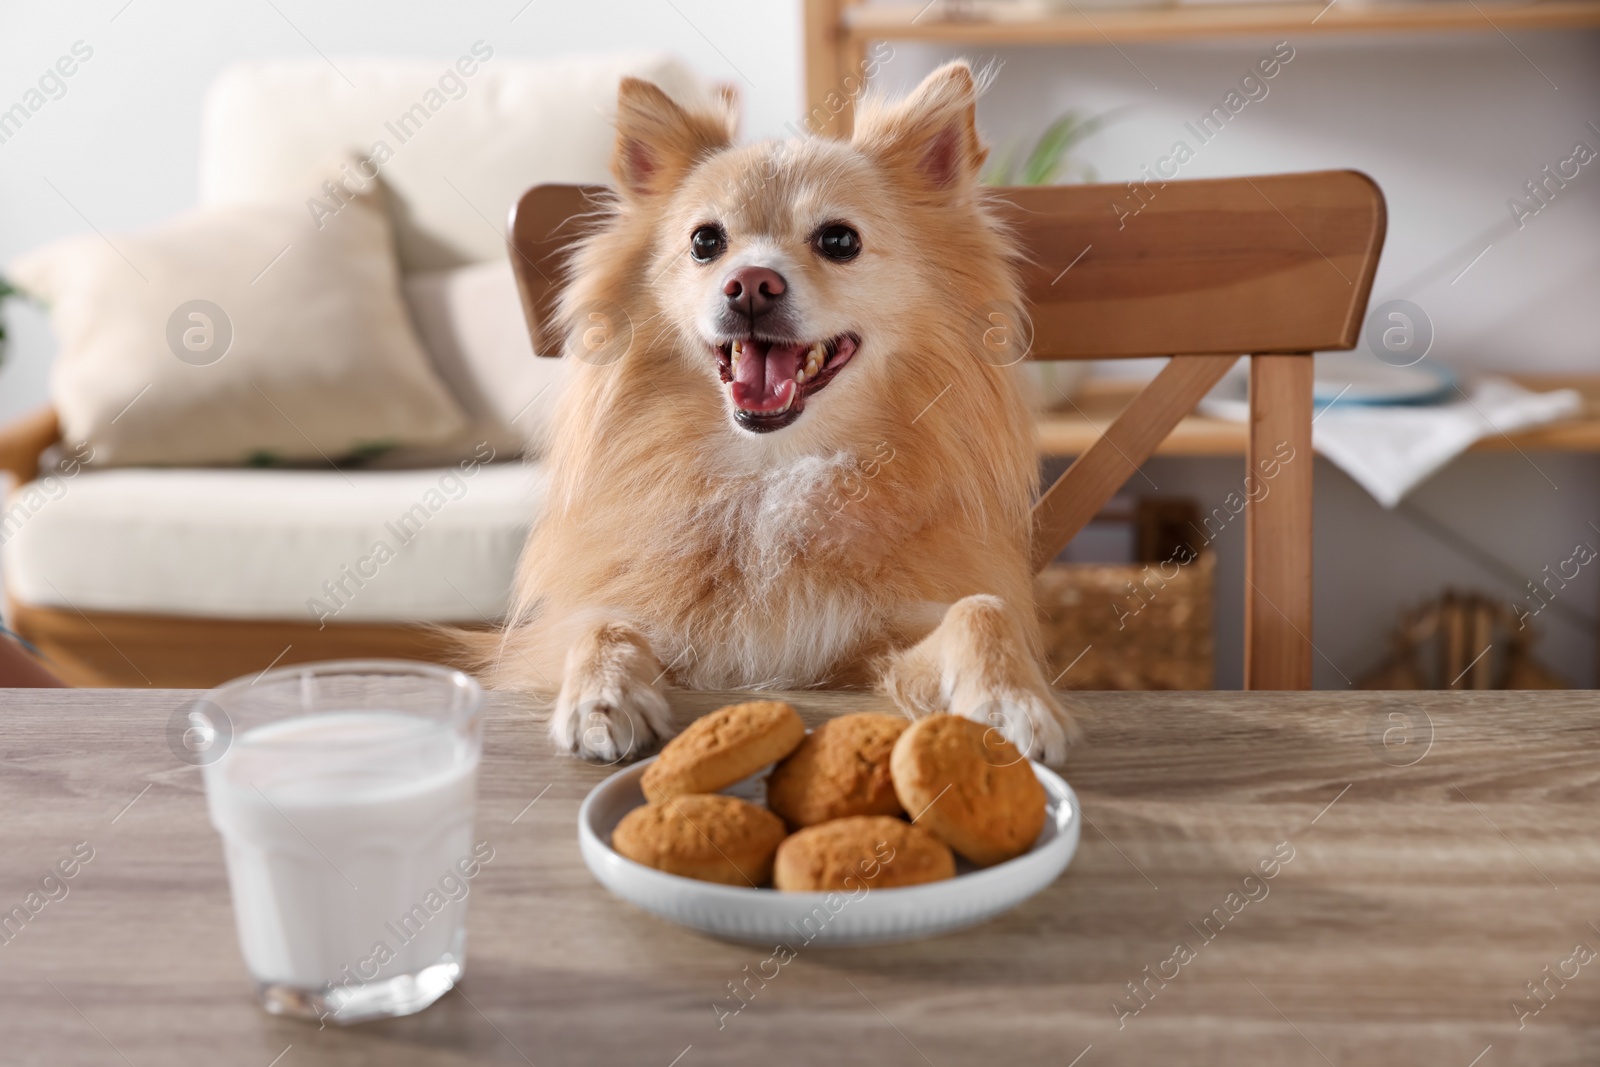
{"points": [[783, 611]]}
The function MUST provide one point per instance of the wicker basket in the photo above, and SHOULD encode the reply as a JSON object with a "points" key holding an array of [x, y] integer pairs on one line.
{"points": [[1128, 626]]}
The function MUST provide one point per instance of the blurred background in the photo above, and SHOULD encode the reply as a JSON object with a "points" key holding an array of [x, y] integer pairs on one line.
{"points": [[1453, 124]]}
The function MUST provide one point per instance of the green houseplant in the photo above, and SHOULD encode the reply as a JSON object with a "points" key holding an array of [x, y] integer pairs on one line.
{"points": [[1050, 162], [6, 290]]}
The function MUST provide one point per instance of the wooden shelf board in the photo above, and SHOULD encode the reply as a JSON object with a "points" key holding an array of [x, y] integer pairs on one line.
{"points": [[995, 25], [1070, 432]]}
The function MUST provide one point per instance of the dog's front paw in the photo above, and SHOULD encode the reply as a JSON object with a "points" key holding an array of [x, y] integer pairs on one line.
{"points": [[610, 707], [611, 727], [1034, 722]]}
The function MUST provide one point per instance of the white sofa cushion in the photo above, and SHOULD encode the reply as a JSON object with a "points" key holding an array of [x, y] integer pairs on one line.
{"points": [[472, 145], [271, 544], [238, 332]]}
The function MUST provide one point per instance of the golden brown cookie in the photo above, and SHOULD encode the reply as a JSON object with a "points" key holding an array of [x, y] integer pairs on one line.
{"points": [[863, 851], [721, 748], [840, 769], [968, 785], [708, 836]]}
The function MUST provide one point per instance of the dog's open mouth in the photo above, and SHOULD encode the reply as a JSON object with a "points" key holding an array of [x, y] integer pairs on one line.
{"points": [[769, 381]]}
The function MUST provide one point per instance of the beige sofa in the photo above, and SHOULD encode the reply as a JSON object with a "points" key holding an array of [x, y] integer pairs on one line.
{"points": [[186, 577]]}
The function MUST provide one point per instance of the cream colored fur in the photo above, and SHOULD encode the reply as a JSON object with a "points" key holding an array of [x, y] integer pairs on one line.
{"points": [[880, 539]]}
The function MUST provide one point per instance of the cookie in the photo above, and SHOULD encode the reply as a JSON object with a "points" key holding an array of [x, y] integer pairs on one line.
{"points": [[840, 769], [711, 837], [721, 748], [863, 851], [968, 785]]}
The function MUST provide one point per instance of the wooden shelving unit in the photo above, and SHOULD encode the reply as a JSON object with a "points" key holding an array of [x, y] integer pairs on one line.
{"points": [[838, 32], [1010, 23], [1072, 428]]}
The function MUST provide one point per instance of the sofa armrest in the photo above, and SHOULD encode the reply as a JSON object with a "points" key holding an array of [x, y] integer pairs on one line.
{"points": [[23, 441]]}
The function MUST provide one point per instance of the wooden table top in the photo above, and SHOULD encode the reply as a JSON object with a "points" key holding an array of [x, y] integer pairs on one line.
{"points": [[1441, 852]]}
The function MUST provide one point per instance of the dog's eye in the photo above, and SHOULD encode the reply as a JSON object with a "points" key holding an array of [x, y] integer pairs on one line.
{"points": [[839, 242], [707, 243]]}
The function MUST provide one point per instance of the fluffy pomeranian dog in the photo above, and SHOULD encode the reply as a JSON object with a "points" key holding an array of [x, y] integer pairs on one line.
{"points": [[802, 470]]}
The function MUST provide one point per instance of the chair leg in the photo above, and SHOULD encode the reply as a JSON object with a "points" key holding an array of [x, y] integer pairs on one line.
{"points": [[1277, 612]]}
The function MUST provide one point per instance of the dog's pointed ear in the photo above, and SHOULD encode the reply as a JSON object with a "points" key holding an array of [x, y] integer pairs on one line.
{"points": [[932, 133], [658, 141]]}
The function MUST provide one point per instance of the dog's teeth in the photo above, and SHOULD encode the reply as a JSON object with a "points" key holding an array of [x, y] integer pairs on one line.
{"points": [[801, 375]]}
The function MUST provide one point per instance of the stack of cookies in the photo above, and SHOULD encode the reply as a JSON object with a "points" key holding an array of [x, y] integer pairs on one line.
{"points": [[865, 800]]}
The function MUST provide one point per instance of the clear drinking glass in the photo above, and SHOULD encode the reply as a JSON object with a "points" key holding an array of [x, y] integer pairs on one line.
{"points": [[344, 794]]}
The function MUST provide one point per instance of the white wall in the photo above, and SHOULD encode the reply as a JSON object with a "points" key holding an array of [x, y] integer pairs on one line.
{"points": [[1450, 126], [121, 144]]}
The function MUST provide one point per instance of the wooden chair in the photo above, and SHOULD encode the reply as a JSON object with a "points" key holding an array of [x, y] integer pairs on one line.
{"points": [[1274, 268]]}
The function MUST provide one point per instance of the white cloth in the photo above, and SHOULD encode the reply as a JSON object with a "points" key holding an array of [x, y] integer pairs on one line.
{"points": [[268, 544], [1390, 450]]}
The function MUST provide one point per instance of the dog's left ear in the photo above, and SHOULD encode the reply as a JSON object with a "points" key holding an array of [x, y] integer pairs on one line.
{"points": [[658, 141], [932, 133]]}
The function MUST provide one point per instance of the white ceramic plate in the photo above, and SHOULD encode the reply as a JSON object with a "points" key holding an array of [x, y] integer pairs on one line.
{"points": [[1353, 379], [866, 917]]}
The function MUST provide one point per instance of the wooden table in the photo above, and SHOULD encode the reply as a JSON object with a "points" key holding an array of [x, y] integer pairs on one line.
{"points": [[1431, 877]]}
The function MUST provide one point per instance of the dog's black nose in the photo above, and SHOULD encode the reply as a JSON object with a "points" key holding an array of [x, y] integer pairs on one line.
{"points": [[752, 291]]}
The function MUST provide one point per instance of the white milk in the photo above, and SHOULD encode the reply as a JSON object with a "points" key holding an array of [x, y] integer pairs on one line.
{"points": [[347, 835]]}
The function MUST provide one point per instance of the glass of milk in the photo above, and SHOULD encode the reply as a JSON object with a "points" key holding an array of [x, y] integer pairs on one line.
{"points": [[344, 795]]}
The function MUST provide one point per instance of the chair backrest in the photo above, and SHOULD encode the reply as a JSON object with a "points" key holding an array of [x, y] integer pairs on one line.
{"points": [[543, 226], [1204, 271], [1217, 267]]}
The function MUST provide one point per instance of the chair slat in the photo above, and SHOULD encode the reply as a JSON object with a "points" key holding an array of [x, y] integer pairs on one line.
{"points": [[1095, 476]]}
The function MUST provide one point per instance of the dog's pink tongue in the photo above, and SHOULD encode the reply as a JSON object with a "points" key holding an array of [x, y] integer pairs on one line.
{"points": [[763, 375]]}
